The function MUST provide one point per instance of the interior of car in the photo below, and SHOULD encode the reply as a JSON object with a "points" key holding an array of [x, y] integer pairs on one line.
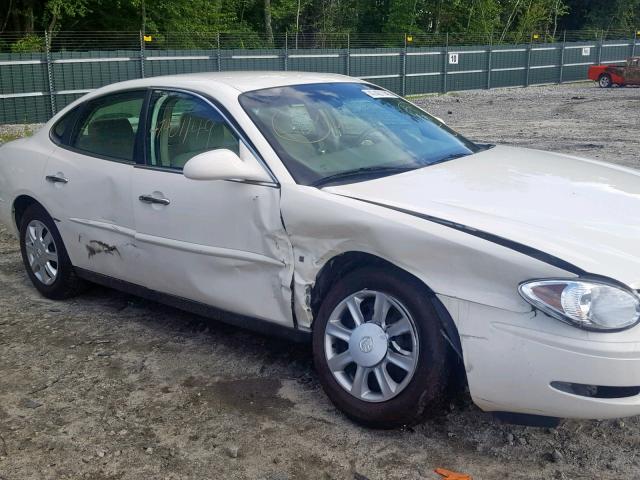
{"points": [[108, 128], [183, 127]]}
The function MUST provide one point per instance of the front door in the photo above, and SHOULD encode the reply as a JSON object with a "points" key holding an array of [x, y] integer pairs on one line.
{"points": [[88, 185], [221, 243]]}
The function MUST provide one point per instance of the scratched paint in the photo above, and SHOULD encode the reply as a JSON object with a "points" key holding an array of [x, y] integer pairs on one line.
{"points": [[95, 247]]}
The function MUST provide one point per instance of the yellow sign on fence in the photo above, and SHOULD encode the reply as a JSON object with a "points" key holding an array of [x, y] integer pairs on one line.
{"points": [[147, 38]]}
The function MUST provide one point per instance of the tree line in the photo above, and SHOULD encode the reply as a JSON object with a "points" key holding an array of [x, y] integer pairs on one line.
{"points": [[274, 17]]}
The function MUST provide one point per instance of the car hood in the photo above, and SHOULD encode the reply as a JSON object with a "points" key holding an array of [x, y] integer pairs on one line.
{"points": [[584, 212]]}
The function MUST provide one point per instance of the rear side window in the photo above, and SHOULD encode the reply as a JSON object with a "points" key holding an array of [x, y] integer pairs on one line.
{"points": [[63, 127], [108, 126]]}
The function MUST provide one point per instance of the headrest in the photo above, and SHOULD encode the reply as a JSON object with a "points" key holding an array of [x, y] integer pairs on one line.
{"points": [[111, 128]]}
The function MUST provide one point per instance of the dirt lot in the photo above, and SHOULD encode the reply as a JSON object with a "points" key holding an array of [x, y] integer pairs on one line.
{"points": [[108, 386]]}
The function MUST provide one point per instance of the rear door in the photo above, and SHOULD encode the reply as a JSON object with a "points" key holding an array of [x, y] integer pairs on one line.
{"points": [[88, 184], [221, 243]]}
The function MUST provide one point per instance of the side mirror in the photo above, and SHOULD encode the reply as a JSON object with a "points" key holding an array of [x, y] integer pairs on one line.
{"points": [[223, 164], [439, 119]]}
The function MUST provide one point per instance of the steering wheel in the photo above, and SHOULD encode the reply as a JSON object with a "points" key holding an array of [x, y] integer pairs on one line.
{"points": [[368, 137]]}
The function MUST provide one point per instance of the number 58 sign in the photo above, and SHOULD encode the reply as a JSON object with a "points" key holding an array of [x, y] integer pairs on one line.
{"points": [[453, 59]]}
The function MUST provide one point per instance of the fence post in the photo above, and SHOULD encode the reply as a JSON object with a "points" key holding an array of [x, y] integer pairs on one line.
{"points": [[47, 46], [141, 54], [633, 45], [218, 59], [403, 90], [529, 60], [348, 59], [600, 47], [489, 62], [445, 63], [564, 45], [286, 51]]}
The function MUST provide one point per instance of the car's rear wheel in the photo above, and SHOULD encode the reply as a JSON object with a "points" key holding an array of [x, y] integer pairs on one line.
{"points": [[44, 256], [605, 81], [378, 349]]}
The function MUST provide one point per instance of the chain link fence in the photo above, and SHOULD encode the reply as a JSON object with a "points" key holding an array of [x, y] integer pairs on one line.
{"points": [[41, 73]]}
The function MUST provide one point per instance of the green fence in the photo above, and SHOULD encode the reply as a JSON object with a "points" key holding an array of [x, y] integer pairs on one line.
{"points": [[35, 85]]}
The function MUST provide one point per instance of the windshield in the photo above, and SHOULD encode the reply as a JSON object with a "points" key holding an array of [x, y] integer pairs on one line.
{"points": [[345, 132]]}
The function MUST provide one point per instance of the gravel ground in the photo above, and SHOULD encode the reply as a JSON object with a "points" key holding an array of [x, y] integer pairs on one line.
{"points": [[11, 132], [107, 386], [580, 119]]}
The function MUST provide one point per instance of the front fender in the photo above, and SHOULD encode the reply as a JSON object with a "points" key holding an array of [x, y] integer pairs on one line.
{"points": [[452, 263]]}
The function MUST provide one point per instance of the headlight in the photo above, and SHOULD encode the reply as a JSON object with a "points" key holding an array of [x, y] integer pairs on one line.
{"points": [[585, 303]]}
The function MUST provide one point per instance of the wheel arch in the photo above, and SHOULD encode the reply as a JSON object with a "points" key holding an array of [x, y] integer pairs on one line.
{"points": [[20, 206], [608, 75], [344, 263]]}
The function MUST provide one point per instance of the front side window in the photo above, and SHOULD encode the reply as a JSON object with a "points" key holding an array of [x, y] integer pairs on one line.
{"points": [[108, 126], [183, 126], [340, 131]]}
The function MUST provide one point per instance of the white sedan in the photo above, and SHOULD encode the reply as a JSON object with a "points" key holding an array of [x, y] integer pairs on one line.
{"points": [[325, 208]]}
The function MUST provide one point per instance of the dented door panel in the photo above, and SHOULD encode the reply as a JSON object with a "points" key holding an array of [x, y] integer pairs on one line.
{"points": [[93, 212], [221, 243]]}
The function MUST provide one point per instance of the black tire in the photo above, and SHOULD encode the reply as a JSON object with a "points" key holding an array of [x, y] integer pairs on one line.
{"points": [[67, 284], [425, 393], [605, 81]]}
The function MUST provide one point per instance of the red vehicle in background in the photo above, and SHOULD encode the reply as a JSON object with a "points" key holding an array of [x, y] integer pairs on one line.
{"points": [[609, 75]]}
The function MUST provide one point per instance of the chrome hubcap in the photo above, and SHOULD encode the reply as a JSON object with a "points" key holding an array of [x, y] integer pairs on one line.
{"points": [[42, 253], [371, 345]]}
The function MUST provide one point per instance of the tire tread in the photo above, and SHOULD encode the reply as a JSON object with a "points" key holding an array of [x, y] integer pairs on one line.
{"points": [[69, 284], [427, 392]]}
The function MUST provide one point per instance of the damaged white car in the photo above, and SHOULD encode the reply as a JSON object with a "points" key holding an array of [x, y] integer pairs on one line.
{"points": [[326, 208]]}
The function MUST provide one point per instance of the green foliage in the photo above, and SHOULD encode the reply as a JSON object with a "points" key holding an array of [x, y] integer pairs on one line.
{"points": [[501, 19], [56, 10], [28, 44], [614, 14], [403, 17]]}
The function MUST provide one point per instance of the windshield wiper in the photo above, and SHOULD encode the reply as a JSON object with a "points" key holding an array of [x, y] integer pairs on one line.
{"points": [[364, 171], [453, 156], [485, 146]]}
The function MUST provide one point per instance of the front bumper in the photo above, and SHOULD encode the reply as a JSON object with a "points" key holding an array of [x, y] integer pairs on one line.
{"points": [[512, 360]]}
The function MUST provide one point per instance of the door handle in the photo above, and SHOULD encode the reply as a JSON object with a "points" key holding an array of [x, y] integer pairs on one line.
{"points": [[152, 199], [56, 179]]}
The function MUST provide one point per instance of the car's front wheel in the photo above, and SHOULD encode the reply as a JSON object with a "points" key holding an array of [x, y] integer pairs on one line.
{"points": [[378, 349], [605, 81], [45, 257]]}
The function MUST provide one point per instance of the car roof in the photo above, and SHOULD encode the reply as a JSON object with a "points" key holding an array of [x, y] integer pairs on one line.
{"points": [[218, 84], [240, 81]]}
